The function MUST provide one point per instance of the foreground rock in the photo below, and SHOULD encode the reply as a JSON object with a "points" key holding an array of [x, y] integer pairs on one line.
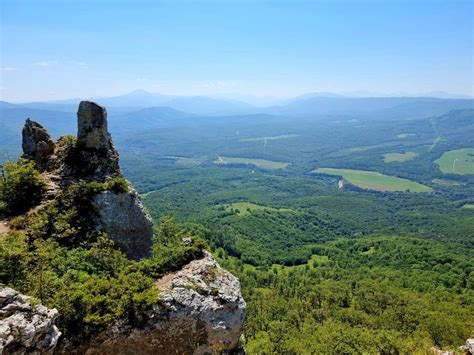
{"points": [[25, 328], [201, 312]]}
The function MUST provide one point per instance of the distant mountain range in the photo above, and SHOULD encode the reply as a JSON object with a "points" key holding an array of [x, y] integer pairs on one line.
{"points": [[141, 110], [308, 104]]}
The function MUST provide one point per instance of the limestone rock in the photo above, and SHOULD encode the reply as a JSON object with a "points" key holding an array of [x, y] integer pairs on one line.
{"points": [[468, 348], [208, 299], [36, 143], [201, 312], [123, 218], [25, 328], [92, 129], [96, 155]]}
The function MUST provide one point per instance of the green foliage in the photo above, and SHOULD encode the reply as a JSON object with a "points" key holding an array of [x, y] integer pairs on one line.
{"points": [[21, 187], [173, 247], [118, 185], [358, 301], [68, 219]]}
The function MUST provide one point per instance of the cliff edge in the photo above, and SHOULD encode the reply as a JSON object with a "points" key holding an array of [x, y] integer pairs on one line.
{"points": [[199, 308]]}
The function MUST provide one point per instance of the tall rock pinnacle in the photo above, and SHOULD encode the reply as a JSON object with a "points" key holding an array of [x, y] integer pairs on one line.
{"points": [[92, 130], [98, 157]]}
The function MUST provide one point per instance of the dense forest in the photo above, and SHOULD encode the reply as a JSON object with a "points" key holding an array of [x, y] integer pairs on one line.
{"points": [[327, 265]]}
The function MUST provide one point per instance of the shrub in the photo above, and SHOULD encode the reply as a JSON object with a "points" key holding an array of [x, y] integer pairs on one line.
{"points": [[21, 187], [118, 185]]}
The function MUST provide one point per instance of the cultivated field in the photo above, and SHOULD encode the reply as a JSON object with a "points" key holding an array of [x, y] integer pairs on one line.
{"points": [[460, 161], [373, 180], [260, 163]]}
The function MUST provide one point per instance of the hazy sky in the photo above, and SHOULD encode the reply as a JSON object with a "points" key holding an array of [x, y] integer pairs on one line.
{"points": [[80, 48]]}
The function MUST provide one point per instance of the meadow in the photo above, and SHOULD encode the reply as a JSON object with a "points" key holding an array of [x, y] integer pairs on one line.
{"points": [[373, 180], [459, 161]]}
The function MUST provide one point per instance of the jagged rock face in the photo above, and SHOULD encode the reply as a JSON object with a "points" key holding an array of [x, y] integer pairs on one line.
{"points": [[24, 328], [201, 312], [96, 157], [123, 218], [37, 143]]}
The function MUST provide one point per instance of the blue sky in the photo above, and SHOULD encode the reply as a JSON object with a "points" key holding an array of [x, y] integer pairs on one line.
{"points": [[82, 48]]}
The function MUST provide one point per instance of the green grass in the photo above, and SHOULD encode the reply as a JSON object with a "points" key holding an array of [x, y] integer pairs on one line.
{"points": [[246, 208], [260, 163], [373, 180], [460, 161], [468, 206], [273, 138], [399, 157]]}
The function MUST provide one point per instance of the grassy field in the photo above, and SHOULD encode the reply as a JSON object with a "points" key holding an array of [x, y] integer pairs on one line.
{"points": [[246, 208], [460, 161], [273, 138], [468, 207], [260, 163], [373, 180], [399, 157]]}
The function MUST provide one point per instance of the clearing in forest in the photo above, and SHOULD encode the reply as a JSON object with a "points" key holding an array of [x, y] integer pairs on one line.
{"points": [[460, 161], [260, 163], [399, 157], [246, 208], [373, 180]]}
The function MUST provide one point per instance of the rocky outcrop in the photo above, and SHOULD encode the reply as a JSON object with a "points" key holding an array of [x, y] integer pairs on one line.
{"points": [[201, 309], [95, 155], [25, 328], [37, 144], [94, 158], [201, 312], [122, 217]]}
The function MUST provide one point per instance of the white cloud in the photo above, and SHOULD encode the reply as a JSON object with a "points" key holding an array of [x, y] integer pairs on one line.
{"points": [[9, 69], [46, 63]]}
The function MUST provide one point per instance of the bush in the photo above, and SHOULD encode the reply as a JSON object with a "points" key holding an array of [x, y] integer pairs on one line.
{"points": [[21, 187], [118, 185]]}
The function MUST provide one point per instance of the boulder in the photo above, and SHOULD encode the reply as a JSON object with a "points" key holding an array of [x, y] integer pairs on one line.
{"points": [[201, 311], [123, 218], [37, 143], [26, 328]]}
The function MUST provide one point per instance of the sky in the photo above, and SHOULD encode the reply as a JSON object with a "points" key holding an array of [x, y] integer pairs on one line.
{"points": [[57, 49]]}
